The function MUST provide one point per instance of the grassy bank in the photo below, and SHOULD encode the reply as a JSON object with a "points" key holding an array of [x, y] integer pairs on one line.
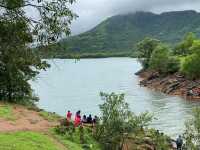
{"points": [[25, 128], [26, 141]]}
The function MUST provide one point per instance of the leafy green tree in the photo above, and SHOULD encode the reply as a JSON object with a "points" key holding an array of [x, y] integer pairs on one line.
{"points": [[183, 48], [159, 59], [191, 66], [117, 122], [195, 48], [173, 65], [192, 132], [18, 32], [144, 49]]}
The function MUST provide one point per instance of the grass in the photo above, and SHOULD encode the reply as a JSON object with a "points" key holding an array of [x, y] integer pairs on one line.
{"points": [[49, 116], [6, 112], [72, 141], [26, 141]]}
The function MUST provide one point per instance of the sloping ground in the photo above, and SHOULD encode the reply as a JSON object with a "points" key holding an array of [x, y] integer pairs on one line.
{"points": [[28, 141], [18, 118], [120, 34], [24, 129]]}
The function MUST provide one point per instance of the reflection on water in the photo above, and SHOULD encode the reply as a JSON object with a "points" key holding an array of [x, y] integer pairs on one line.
{"points": [[70, 85]]}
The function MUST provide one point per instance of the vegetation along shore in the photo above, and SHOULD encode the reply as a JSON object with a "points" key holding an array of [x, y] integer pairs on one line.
{"points": [[173, 71]]}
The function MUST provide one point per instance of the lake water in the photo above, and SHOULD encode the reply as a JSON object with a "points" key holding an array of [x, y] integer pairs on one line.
{"points": [[71, 85]]}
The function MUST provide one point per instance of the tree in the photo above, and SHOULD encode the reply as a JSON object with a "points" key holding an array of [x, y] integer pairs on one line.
{"points": [[191, 64], [183, 48], [117, 121], [192, 132], [18, 31], [159, 59], [145, 48], [195, 48]]}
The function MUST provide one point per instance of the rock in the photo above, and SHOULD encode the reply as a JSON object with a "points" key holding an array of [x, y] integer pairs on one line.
{"points": [[139, 72], [153, 76]]}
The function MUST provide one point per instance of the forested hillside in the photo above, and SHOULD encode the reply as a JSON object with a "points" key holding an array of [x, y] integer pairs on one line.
{"points": [[119, 34]]}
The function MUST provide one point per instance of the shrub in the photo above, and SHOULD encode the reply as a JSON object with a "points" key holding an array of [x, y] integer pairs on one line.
{"points": [[192, 132], [191, 66], [117, 121], [159, 59], [173, 65]]}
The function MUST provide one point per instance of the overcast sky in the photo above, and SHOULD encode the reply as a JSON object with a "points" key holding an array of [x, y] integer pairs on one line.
{"points": [[92, 12]]}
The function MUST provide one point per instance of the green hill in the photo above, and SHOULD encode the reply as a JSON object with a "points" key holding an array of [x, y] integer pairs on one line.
{"points": [[118, 35]]}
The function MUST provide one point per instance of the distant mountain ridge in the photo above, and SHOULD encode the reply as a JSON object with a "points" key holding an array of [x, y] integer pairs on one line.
{"points": [[119, 34]]}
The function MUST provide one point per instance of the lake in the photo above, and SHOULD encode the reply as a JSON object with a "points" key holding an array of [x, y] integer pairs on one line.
{"points": [[75, 85]]}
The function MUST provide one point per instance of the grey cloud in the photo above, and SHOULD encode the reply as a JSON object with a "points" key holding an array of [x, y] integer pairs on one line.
{"points": [[92, 12]]}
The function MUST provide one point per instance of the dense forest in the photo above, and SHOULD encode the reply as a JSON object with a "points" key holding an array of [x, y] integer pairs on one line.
{"points": [[118, 35]]}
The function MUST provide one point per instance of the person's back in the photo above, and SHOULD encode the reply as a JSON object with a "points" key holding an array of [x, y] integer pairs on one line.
{"points": [[95, 119], [84, 120], [77, 120], [89, 119], [179, 143], [69, 115]]}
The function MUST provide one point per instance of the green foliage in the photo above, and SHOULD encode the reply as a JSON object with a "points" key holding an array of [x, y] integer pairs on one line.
{"points": [[173, 64], [71, 138], [6, 112], [191, 66], [49, 116], [145, 48], [195, 47], [26, 141], [160, 140], [18, 62], [159, 59], [117, 121], [192, 132], [183, 48], [121, 33]]}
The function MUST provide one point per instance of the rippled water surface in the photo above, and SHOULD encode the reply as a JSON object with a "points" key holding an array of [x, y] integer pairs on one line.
{"points": [[71, 85]]}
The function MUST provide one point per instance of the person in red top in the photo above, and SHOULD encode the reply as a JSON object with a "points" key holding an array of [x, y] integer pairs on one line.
{"points": [[77, 120], [68, 117]]}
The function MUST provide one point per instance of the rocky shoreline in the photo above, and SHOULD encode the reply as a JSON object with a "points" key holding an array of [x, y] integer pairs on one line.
{"points": [[174, 84]]}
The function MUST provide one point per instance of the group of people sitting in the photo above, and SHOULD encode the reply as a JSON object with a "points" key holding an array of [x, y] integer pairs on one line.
{"points": [[79, 121]]}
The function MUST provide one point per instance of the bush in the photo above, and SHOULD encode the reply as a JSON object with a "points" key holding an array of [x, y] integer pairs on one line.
{"points": [[173, 65], [191, 66], [159, 59], [192, 132], [117, 122]]}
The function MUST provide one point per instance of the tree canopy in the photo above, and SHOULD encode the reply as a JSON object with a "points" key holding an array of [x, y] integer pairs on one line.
{"points": [[144, 49], [19, 63]]}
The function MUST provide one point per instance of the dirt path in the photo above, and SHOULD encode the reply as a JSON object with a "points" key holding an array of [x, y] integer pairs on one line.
{"points": [[25, 120]]}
